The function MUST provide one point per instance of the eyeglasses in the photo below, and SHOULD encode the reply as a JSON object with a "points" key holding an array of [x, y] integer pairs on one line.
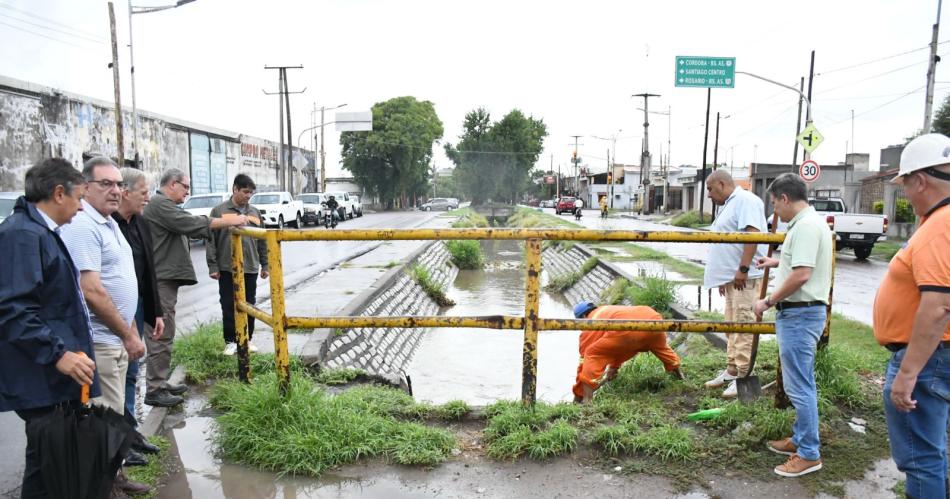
{"points": [[108, 184], [186, 186]]}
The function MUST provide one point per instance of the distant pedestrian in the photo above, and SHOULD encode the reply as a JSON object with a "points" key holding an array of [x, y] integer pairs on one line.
{"points": [[912, 319], [44, 326], [218, 254], [729, 268], [802, 285], [135, 196], [604, 352], [171, 227]]}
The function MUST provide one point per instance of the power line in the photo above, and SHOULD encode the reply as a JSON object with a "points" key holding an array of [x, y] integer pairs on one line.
{"points": [[51, 21], [874, 76], [55, 30], [925, 47], [43, 36]]}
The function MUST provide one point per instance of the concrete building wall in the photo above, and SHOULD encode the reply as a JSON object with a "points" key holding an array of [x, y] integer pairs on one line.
{"points": [[38, 122]]}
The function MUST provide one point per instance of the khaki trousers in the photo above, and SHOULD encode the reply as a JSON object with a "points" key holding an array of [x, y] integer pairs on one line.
{"points": [[739, 309], [159, 359], [112, 361]]}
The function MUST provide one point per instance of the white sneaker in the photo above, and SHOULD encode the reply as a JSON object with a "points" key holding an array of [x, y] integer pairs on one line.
{"points": [[230, 349], [252, 348], [720, 380], [731, 392]]}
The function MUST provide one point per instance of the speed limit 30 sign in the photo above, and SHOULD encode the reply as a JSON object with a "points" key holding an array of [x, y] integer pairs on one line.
{"points": [[809, 171]]}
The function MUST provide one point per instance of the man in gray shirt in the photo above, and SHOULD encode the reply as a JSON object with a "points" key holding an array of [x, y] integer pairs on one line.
{"points": [[730, 268], [171, 227]]}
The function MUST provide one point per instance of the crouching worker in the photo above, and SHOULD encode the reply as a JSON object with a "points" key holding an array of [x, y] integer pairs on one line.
{"points": [[603, 352]]}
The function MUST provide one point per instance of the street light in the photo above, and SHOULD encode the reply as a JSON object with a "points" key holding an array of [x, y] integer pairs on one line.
{"points": [[141, 10], [321, 126]]}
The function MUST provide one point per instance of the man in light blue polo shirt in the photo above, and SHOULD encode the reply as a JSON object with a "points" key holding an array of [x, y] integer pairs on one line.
{"points": [[730, 268], [107, 279]]}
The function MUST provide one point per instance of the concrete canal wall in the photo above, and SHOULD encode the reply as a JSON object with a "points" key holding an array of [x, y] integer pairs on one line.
{"points": [[386, 352]]}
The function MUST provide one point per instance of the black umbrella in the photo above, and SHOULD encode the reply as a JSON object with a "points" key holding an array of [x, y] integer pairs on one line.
{"points": [[80, 448]]}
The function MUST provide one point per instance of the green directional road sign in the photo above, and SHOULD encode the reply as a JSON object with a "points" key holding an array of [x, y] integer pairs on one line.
{"points": [[705, 72], [810, 139]]}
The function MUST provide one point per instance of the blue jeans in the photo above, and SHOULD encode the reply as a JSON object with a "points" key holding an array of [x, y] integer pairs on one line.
{"points": [[919, 437], [798, 331], [133, 373]]}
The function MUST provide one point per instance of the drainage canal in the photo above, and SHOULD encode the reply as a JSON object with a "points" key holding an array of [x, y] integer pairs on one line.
{"points": [[481, 366]]}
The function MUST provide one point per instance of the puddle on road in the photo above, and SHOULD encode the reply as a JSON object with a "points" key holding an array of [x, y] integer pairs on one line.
{"points": [[481, 366]]}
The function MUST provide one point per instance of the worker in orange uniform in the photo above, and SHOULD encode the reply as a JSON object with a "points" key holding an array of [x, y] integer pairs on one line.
{"points": [[603, 352]]}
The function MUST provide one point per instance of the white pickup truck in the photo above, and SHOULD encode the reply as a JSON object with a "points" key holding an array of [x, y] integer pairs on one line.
{"points": [[278, 209], [857, 231]]}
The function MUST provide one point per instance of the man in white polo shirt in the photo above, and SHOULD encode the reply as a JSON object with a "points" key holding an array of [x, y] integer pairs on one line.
{"points": [[107, 278], [731, 269]]}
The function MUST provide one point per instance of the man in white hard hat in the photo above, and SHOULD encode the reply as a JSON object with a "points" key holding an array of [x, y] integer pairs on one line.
{"points": [[912, 320]]}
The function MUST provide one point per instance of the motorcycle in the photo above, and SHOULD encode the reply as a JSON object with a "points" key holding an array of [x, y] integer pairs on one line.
{"points": [[329, 220], [577, 214]]}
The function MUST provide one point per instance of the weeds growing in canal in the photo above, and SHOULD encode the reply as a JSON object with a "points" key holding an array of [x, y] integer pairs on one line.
{"points": [[435, 290], [310, 431], [690, 219], [466, 254], [614, 293], [638, 252], [339, 376], [200, 353], [468, 219], [653, 291], [561, 282], [527, 218]]}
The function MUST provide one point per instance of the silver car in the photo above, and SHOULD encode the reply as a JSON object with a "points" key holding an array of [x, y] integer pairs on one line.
{"points": [[436, 204], [7, 200]]}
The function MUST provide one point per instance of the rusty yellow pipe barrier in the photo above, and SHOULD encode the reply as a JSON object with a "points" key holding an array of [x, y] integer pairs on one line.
{"points": [[240, 316], [278, 311], [530, 323], [514, 234]]}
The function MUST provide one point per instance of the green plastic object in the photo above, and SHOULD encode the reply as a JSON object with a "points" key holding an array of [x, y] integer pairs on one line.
{"points": [[705, 415]]}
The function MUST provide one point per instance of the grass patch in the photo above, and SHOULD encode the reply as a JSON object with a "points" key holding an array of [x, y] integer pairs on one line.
{"points": [[466, 254], [310, 431], [653, 291], [690, 219], [526, 218], [391, 264], [885, 250], [338, 376], [201, 354], [452, 410], [468, 218], [564, 281], [435, 290], [638, 252], [614, 293], [153, 472]]}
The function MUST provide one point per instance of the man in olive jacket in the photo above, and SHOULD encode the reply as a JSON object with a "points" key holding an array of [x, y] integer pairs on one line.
{"points": [[171, 227], [218, 254]]}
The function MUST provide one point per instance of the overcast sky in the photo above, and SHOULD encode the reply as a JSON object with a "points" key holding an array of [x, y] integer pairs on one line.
{"points": [[572, 64]]}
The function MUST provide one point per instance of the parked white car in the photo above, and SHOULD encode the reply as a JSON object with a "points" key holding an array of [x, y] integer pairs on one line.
{"points": [[201, 204], [312, 211], [357, 206], [278, 209], [857, 231], [7, 201]]}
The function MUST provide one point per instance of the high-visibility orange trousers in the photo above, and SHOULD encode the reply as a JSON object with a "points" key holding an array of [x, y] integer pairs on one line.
{"points": [[599, 349]]}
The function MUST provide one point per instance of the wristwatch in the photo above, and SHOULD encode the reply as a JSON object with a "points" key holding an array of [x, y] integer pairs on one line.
{"points": [[744, 269], [769, 302]]}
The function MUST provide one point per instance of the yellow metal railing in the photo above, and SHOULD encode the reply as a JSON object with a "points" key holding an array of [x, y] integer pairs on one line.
{"points": [[530, 322]]}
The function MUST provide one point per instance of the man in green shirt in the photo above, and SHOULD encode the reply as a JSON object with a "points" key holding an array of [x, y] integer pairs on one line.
{"points": [[218, 254], [800, 295]]}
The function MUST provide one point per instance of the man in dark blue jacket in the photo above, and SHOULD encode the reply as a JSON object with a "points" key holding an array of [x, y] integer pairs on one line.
{"points": [[44, 324]]}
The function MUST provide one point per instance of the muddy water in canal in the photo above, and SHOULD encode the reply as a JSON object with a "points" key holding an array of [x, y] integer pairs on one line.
{"points": [[481, 366]]}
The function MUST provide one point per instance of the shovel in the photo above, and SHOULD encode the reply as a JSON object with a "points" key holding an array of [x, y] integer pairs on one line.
{"points": [[749, 387]]}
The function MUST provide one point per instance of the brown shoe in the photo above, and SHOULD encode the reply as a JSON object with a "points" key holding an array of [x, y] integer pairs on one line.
{"points": [[129, 487], [797, 466], [783, 446]]}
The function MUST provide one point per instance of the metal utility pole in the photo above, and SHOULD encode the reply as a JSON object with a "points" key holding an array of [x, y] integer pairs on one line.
{"points": [[645, 155], [284, 100], [931, 72], [119, 143], [702, 188], [323, 155], [811, 80], [576, 162], [798, 125]]}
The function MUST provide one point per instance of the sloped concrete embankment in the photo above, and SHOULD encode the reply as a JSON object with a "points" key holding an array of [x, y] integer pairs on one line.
{"points": [[386, 352], [559, 261]]}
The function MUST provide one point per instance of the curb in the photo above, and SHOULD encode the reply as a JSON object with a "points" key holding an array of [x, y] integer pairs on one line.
{"points": [[155, 420]]}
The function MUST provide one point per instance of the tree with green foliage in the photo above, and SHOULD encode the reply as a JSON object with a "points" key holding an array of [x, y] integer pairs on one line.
{"points": [[493, 160], [941, 121], [392, 161]]}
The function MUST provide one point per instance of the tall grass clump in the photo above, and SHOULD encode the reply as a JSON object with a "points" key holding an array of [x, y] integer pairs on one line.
{"points": [[469, 219], [466, 254], [690, 219], [655, 292], [308, 431], [201, 354], [435, 290], [540, 432]]}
